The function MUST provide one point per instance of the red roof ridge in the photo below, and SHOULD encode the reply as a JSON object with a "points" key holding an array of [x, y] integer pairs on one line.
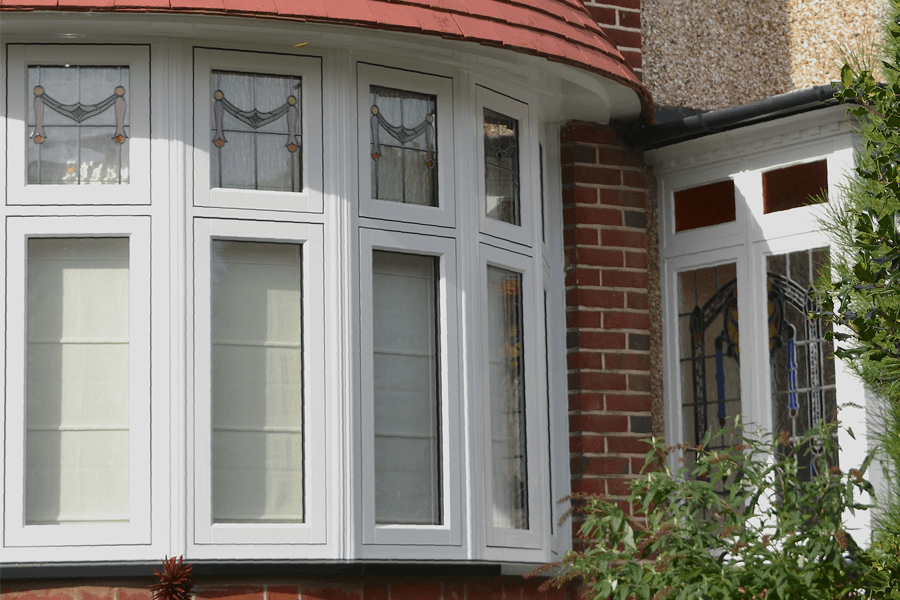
{"points": [[558, 30]]}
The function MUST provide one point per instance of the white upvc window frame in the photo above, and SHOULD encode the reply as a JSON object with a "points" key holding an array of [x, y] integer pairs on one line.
{"points": [[87, 538], [749, 241], [517, 109], [444, 214], [500, 538], [449, 533], [309, 69], [260, 540], [137, 59], [674, 422]]}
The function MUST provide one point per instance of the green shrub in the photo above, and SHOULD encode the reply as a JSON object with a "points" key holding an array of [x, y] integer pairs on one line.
{"points": [[738, 523]]}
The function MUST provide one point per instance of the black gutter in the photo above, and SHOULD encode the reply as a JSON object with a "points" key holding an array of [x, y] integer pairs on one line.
{"points": [[649, 137]]}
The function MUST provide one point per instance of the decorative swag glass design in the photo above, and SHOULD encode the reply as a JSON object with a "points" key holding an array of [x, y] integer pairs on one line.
{"points": [[501, 167], [78, 125], [509, 468], [257, 383], [77, 448], [256, 137], [801, 362], [407, 401], [404, 146]]}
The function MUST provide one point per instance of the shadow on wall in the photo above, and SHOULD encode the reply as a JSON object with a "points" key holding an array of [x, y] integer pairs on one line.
{"points": [[709, 54]]}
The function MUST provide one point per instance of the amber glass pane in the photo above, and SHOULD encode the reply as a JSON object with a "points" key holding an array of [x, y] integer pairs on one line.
{"points": [[404, 146], [704, 205], [801, 360], [709, 351], [256, 141], [78, 125], [501, 167], [792, 187]]}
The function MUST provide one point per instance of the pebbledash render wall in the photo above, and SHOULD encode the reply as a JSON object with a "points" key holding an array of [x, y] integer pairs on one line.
{"points": [[709, 54]]}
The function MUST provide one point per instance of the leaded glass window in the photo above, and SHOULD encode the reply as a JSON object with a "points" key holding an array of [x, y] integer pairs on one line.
{"points": [[256, 141], [404, 146], [801, 360], [501, 167], [509, 469], [78, 125], [709, 352]]}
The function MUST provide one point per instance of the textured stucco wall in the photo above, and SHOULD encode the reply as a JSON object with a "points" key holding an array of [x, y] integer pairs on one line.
{"points": [[709, 54]]}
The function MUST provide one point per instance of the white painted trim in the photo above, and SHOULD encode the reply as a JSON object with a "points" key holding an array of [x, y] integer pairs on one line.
{"points": [[272, 540], [72, 536], [537, 495], [506, 105], [309, 69], [449, 532], [442, 87], [137, 58]]}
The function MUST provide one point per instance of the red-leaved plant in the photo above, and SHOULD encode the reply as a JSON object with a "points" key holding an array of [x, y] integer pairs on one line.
{"points": [[175, 581]]}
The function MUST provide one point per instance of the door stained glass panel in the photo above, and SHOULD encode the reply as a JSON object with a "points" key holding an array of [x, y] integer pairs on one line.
{"points": [[709, 352], [801, 360]]}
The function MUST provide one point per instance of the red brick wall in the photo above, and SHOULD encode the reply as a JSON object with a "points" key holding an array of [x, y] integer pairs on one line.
{"points": [[609, 239], [501, 588], [621, 20]]}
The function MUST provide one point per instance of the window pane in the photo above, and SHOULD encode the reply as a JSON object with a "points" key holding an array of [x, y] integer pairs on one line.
{"points": [[710, 354], [78, 124], [704, 206], [257, 383], [407, 403], [501, 167], [256, 142], [404, 146], [509, 469], [77, 381], [794, 186], [802, 363]]}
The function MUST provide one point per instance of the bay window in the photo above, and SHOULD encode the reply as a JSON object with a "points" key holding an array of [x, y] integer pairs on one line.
{"points": [[316, 329]]}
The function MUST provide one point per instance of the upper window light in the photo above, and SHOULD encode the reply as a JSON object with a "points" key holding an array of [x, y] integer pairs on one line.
{"points": [[78, 124]]}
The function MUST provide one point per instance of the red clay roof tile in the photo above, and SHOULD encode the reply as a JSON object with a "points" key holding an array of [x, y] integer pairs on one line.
{"points": [[558, 30], [132, 5]]}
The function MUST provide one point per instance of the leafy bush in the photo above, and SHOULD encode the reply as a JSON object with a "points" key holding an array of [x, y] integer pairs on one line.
{"points": [[738, 523]]}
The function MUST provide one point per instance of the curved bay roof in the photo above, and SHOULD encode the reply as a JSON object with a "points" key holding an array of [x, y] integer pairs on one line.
{"points": [[558, 30]]}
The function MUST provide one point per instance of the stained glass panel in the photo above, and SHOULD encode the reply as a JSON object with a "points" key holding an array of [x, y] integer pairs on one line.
{"points": [[802, 364], [709, 352], [507, 387], [501, 167], [404, 146], [78, 125], [256, 137]]}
